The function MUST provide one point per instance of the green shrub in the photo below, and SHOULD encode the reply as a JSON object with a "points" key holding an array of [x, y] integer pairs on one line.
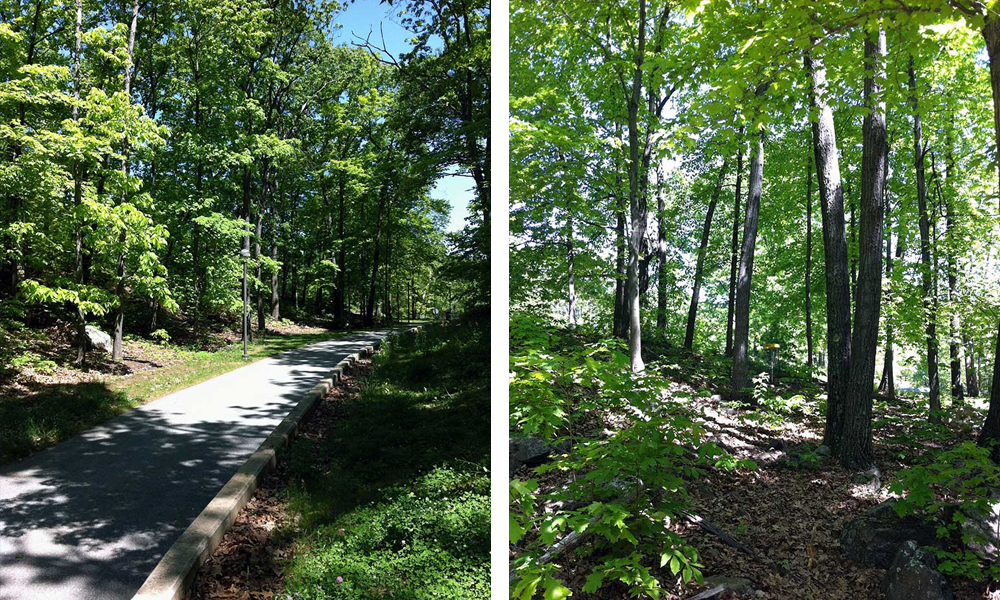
{"points": [[967, 473], [629, 484], [160, 336], [30, 360]]}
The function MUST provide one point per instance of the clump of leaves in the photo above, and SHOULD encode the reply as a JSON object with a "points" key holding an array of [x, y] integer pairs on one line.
{"points": [[965, 473], [33, 361], [160, 335], [627, 486]]}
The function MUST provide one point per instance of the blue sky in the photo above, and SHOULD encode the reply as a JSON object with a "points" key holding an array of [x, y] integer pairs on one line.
{"points": [[363, 16]]}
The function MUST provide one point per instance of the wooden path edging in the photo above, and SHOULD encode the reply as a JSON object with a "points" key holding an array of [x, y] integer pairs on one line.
{"points": [[175, 573]]}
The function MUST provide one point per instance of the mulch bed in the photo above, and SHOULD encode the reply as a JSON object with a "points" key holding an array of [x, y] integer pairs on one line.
{"points": [[249, 563]]}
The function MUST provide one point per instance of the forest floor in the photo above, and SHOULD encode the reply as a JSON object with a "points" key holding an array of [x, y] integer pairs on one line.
{"points": [[45, 398], [791, 509], [384, 493]]}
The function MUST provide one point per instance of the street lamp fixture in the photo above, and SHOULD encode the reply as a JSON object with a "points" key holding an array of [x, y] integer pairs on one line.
{"points": [[245, 255]]}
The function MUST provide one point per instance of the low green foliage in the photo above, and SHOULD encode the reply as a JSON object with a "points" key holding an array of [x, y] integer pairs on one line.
{"points": [[966, 473], [397, 505], [628, 485], [160, 335], [33, 361]]}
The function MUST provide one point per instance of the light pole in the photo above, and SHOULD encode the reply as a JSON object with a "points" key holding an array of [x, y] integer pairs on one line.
{"points": [[245, 255], [409, 304]]}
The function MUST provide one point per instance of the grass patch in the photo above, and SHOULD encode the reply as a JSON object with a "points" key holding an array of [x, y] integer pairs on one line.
{"points": [[60, 411], [396, 505]]}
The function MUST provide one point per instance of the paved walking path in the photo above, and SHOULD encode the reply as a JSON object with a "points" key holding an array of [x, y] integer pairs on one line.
{"points": [[89, 519]]}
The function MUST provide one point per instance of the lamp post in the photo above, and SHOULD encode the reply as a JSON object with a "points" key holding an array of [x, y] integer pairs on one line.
{"points": [[409, 304], [245, 255]]}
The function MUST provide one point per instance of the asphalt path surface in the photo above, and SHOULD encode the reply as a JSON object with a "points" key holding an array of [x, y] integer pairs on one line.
{"points": [[89, 518]]}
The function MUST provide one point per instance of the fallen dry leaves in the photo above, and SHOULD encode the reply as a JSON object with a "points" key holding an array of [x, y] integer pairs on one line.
{"points": [[790, 515]]}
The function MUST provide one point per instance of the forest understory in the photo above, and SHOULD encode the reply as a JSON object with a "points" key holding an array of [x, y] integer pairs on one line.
{"points": [[784, 516]]}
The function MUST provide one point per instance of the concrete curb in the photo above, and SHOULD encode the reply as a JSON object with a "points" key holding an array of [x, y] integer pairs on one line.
{"points": [[174, 574]]}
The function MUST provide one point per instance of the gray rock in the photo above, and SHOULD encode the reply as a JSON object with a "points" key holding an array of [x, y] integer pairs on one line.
{"points": [[98, 339], [913, 575], [873, 538], [870, 480], [514, 466], [983, 531], [823, 450], [530, 450], [770, 457], [737, 585]]}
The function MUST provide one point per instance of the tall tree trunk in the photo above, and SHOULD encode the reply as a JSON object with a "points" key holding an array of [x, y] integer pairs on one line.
{"points": [[571, 299], [741, 333], [929, 314], [16, 201], [338, 294], [370, 309], [117, 352], [887, 385], [955, 362], [661, 254], [990, 433], [808, 282], [620, 326], [838, 294], [702, 250], [275, 295], [856, 449], [81, 318], [971, 376], [853, 251], [734, 254], [247, 184], [638, 216]]}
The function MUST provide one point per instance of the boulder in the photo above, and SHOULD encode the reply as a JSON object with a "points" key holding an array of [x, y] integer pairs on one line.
{"points": [[869, 481], [874, 537], [737, 585], [529, 450], [823, 450], [983, 531], [98, 339], [913, 575]]}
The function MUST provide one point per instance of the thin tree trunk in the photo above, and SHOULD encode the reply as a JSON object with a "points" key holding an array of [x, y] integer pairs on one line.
{"points": [[971, 376], [81, 318], [370, 310], [930, 315], [838, 294], [620, 326], [571, 299], [661, 254], [887, 385], [638, 216], [955, 362], [856, 450], [117, 352], [275, 295], [338, 294], [699, 268], [853, 252], [734, 255], [741, 333], [990, 433], [808, 282]]}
